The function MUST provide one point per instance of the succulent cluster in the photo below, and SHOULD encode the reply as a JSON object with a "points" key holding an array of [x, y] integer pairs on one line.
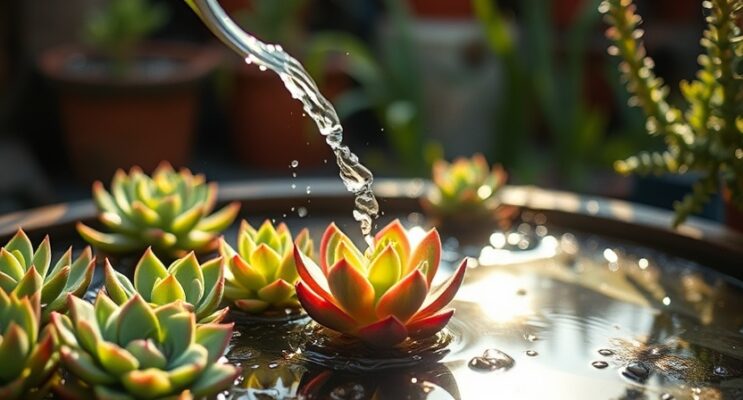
{"points": [[382, 296], [262, 272], [169, 212], [134, 351], [25, 271], [29, 359], [466, 186], [198, 286], [708, 136]]}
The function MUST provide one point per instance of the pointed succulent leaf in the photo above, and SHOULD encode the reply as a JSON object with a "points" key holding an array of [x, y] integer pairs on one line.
{"points": [[31, 283], [188, 220], [214, 337], [81, 364], [430, 325], [148, 270], [278, 292], [395, 234], [385, 333], [167, 290], [147, 354], [42, 258], [104, 308], [13, 349], [81, 273], [385, 270], [351, 290], [54, 285], [220, 220], [10, 265], [147, 383], [443, 295], [178, 331], [110, 242], [216, 378], [118, 287], [245, 275], [428, 251], [404, 298], [114, 359], [253, 306], [323, 311], [137, 321], [265, 260], [21, 243]]}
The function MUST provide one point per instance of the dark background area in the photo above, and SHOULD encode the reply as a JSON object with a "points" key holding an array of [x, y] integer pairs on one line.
{"points": [[457, 101]]}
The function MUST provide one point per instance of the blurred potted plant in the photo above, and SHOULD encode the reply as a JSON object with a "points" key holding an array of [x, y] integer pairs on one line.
{"points": [[263, 114], [390, 87], [549, 80], [708, 136], [123, 100]]}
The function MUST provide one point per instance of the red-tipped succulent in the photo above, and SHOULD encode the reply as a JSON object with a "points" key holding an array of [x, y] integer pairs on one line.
{"points": [[382, 296]]}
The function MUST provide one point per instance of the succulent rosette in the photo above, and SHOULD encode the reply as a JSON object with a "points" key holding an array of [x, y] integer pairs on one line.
{"points": [[198, 286], [169, 212], [382, 296], [261, 274], [467, 185], [29, 360], [135, 351], [25, 271]]}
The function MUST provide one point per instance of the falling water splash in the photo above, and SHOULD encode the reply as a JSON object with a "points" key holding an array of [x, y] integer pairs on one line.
{"points": [[356, 177]]}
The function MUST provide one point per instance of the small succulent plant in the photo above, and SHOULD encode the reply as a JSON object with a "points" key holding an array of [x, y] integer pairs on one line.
{"points": [[28, 361], [169, 212], [468, 185], [383, 296], [262, 272], [199, 287], [136, 352], [25, 270]]}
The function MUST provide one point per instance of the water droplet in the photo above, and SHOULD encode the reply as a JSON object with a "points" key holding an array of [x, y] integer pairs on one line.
{"points": [[530, 337], [309, 190], [720, 371], [273, 365], [262, 67], [531, 353], [666, 301], [643, 263], [302, 212], [606, 352], [600, 364], [294, 186], [492, 360], [294, 174], [295, 163], [636, 371], [666, 396]]}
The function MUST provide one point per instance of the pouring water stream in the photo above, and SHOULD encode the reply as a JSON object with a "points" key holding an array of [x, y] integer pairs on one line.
{"points": [[356, 177]]}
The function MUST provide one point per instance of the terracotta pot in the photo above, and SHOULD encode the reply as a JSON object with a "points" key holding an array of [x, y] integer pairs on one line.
{"points": [[733, 214], [267, 125], [442, 9], [112, 123]]}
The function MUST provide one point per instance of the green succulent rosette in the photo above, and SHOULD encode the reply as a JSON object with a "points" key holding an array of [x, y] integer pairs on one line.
{"points": [[170, 212], [262, 272], [25, 271], [198, 286], [465, 186], [135, 351], [28, 360]]}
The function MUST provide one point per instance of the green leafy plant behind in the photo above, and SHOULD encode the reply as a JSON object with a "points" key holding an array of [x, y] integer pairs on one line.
{"points": [[25, 271], [262, 272], [170, 212], [133, 351], [274, 21], [198, 286], [29, 358], [708, 136], [119, 29]]}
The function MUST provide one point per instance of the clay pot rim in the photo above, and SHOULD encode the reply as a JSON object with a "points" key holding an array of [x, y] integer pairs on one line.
{"points": [[196, 62]]}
